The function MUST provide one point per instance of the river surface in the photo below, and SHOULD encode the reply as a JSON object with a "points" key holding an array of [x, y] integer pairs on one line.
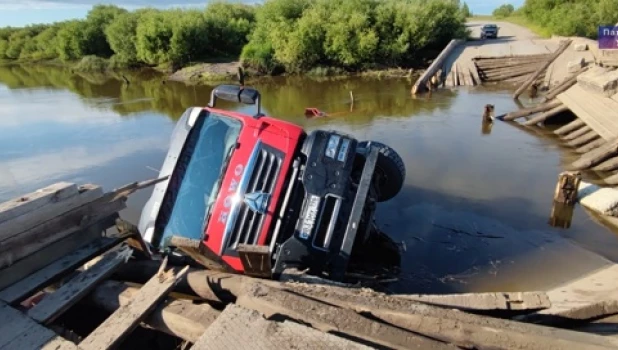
{"points": [[473, 214]]}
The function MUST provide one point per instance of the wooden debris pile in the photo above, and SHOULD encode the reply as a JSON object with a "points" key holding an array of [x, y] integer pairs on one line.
{"points": [[103, 266], [511, 69]]}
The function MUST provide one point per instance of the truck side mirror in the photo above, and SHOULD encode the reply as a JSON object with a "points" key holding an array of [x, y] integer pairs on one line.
{"points": [[236, 93]]}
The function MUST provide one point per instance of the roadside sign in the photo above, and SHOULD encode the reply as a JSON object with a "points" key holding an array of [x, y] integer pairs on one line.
{"points": [[608, 37]]}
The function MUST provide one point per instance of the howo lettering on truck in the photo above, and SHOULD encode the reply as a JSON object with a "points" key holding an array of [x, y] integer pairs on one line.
{"points": [[258, 195]]}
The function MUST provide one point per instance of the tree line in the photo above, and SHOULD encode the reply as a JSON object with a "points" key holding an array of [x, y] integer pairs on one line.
{"points": [[565, 17], [289, 35]]}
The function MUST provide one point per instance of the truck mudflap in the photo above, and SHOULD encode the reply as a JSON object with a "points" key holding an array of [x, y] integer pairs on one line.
{"points": [[328, 250]]}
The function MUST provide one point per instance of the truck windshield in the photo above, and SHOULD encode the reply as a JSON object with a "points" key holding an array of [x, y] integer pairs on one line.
{"points": [[194, 184]]}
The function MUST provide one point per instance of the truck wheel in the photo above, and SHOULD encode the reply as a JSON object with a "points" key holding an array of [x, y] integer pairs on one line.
{"points": [[391, 169]]}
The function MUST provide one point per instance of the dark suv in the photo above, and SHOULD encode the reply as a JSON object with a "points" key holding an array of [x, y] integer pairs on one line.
{"points": [[489, 31]]}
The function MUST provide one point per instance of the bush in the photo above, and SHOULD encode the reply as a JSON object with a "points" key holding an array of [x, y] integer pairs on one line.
{"points": [[571, 17], [504, 11], [349, 34], [290, 35]]}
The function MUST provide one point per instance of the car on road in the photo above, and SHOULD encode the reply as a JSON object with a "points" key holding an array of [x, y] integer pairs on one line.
{"points": [[489, 31]]}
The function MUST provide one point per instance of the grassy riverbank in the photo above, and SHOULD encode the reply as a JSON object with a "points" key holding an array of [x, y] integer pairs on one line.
{"points": [[280, 36]]}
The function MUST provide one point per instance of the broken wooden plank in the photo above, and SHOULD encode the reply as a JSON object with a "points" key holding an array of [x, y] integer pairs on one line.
{"points": [[563, 86], [546, 115], [529, 111], [574, 125], [421, 83], [18, 247], [369, 301], [486, 301], [478, 337], [116, 327], [27, 221], [328, 318], [52, 252], [563, 46], [32, 201], [596, 156], [54, 304], [260, 333], [588, 297], [180, 318], [17, 331], [58, 269]]}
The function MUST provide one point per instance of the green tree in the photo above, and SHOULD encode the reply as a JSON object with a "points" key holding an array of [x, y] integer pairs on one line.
{"points": [[154, 34], [97, 20], [465, 10], [503, 11], [189, 40], [4, 45], [121, 34], [71, 40]]}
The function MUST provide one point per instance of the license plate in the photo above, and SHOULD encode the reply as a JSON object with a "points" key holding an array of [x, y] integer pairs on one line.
{"points": [[310, 216]]}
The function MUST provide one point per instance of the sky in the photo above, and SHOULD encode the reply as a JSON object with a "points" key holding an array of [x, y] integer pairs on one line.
{"points": [[24, 12]]}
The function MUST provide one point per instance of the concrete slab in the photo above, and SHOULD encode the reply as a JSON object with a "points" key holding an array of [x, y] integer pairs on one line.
{"points": [[239, 328]]}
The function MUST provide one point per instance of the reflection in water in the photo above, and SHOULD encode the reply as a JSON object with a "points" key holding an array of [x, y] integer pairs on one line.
{"points": [[470, 215], [486, 127], [561, 215]]}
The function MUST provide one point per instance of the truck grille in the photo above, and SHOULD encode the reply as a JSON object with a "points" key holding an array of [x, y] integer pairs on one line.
{"points": [[249, 223]]}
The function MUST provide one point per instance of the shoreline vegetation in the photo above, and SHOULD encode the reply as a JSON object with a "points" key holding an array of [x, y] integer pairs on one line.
{"points": [[277, 37], [560, 17]]}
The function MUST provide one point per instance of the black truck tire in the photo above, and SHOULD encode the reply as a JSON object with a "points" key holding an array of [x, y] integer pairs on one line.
{"points": [[391, 168]]}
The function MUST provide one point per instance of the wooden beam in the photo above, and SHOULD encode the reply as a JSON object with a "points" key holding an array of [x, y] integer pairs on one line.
{"points": [[591, 146], [33, 240], [180, 318], [509, 334], [584, 139], [540, 70], [58, 269], [32, 263], [328, 318], [608, 165], [574, 125], [478, 337], [529, 111], [485, 301], [54, 304], [26, 221], [546, 115], [577, 133], [420, 85], [122, 322], [21, 205], [17, 331], [563, 86], [596, 156]]}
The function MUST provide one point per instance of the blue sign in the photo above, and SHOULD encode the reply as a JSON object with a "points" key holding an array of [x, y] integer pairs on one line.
{"points": [[608, 37]]}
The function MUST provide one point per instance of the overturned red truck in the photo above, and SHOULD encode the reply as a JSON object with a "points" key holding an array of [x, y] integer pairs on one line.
{"points": [[245, 187]]}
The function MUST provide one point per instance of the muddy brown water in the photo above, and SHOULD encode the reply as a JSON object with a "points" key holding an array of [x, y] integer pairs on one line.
{"points": [[472, 216]]}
